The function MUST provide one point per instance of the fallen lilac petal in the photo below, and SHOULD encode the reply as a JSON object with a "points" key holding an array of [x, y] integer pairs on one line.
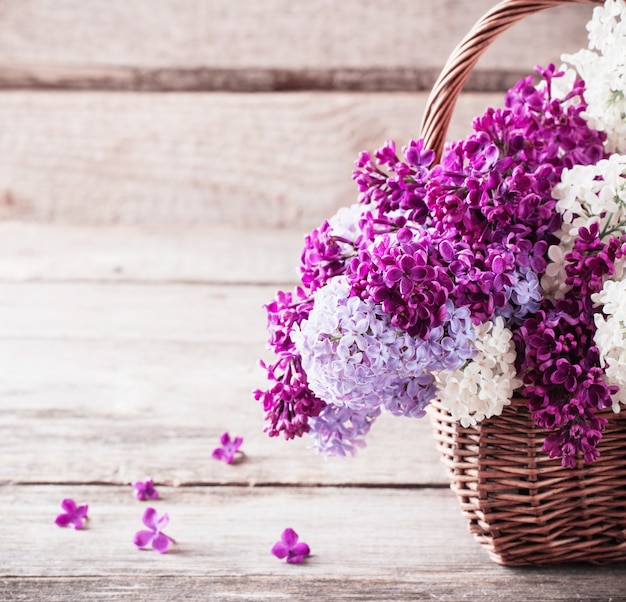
{"points": [[149, 518], [280, 550], [162, 522], [154, 535], [63, 520], [69, 505], [145, 490], [289, 548], [161, 543], [143, 538], [74, 515], [229, 449], [289, 538]]}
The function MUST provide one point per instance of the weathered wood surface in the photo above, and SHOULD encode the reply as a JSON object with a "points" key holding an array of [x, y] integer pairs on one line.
{"points": [[536, 586], [266, 160], [263, 45], [366, 544], [276, 160], [144, 379], [223, 254]]}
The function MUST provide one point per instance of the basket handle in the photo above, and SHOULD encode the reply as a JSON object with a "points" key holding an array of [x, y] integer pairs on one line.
{"points": [[456, 71]]}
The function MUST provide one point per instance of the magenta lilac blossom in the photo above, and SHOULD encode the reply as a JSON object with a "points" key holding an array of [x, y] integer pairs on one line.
{"points": [[74, 514], [154, 534], [229, 449], [390, 183], [145, 490], [289, 548], [288, 402], [323, 256]]}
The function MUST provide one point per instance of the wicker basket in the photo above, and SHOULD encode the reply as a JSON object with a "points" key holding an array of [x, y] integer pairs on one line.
{"points": [[522, 507]]}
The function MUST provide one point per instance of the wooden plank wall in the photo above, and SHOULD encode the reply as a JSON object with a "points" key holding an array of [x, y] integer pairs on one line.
{"points": [[248, 113]]}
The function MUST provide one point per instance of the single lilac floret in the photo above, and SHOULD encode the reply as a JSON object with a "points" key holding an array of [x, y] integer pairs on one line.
{"points": [[229, 449], [525, 296], [154, 534], [145, 490], [74, 514], [289, 548]]}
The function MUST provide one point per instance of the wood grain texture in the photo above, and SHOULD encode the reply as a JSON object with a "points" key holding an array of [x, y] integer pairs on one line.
{"points": [[101, 365], [57, 252], [556, 585], [267, 160], [249, 79], [229, 530], [143, 379], [381, 554], [266, 35]]}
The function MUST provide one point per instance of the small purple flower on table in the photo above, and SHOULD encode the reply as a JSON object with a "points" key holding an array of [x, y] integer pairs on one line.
{"points": [[229, 449], [154, 534], [74, 515], [145, 490], [289, 548]]}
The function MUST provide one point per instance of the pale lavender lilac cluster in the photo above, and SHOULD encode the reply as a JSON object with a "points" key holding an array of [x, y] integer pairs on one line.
{"points": [[390, 305]]}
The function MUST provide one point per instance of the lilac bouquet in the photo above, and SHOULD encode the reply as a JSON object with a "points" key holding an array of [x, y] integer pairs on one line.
{"points": [[497, 272]]}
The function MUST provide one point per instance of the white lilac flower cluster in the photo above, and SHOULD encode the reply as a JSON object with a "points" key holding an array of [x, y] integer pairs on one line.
{"points": [[486, 383], [610, 336], [587, 195], [603, 68]]}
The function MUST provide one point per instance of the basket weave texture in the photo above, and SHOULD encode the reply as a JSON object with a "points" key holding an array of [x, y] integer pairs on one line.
{"points": [[523, 507]]}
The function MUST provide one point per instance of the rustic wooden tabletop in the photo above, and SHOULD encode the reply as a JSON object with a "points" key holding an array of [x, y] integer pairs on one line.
{"points": [[150, 209]]}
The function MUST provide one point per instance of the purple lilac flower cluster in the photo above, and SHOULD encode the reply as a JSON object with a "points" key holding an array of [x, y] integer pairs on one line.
{"points": [[559, 358], [289, 402], [389, 304], [492, 193]]}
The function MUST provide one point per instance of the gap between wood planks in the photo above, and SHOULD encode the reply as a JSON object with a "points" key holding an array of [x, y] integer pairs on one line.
{"points": [[242, 484], [210, 79]]}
